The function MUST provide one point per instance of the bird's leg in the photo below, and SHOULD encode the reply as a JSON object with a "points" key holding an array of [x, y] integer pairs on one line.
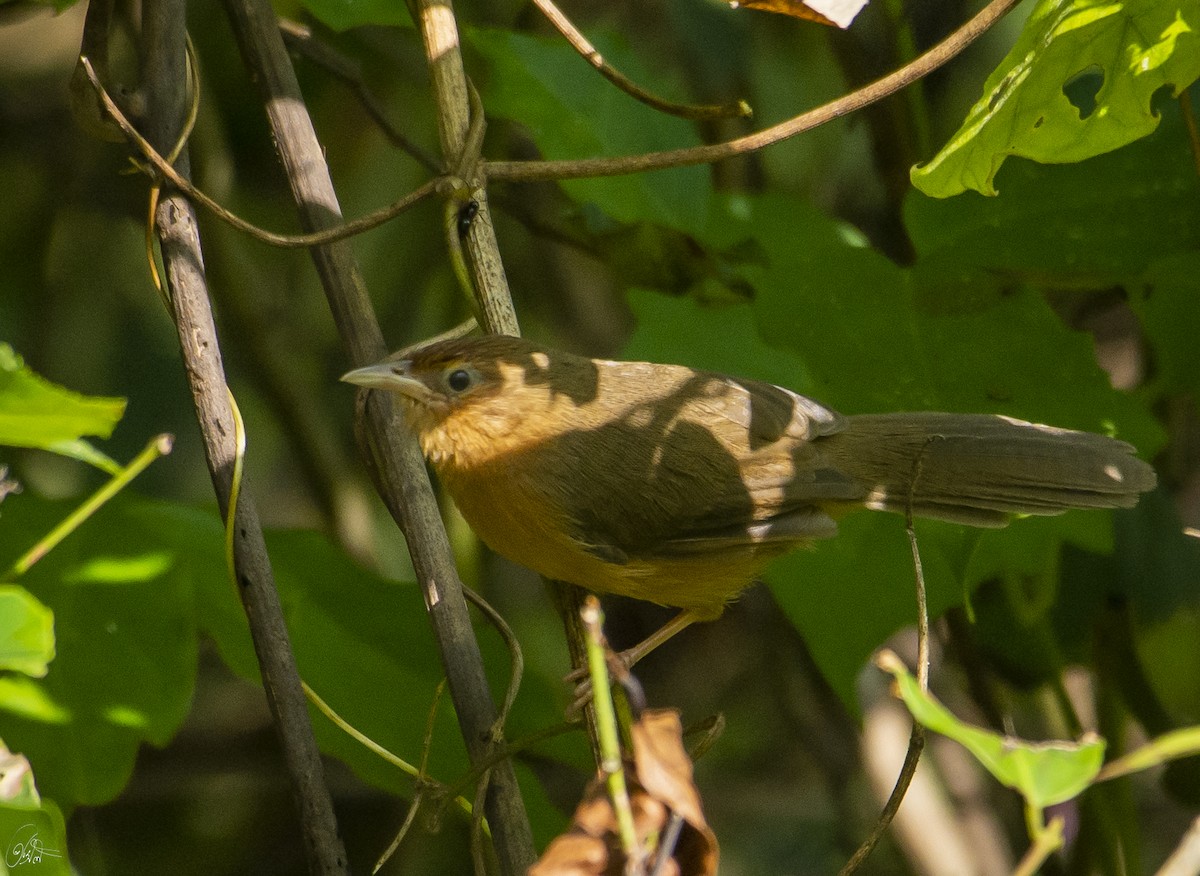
{"points": [[671, 628], [630, 656]]}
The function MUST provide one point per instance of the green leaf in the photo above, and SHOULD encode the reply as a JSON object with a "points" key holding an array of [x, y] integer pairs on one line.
{"points": [[37, 413], [26, 632], [1044, 773], [847, 328], [851, 592], [682, 331], [1093, 225], [872, 344], [126, 650], [1079, 82], [573, 112], [33, 839], [1165, 300], [83, 451]]}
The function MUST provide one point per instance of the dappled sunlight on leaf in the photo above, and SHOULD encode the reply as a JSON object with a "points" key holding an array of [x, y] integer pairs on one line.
{"points": [[1130, 49]]}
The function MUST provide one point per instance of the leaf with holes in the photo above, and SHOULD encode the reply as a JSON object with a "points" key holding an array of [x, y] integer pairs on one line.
{"points": [[1079, 82]]}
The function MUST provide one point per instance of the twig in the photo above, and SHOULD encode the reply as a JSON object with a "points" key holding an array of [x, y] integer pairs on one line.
{"points": [[916, 743], [916, 740], [580, 44], [164, 55], [409, 818], [528, 171], [393, 456], [516, 659], [158, 446], [667, 843], [499, 755], [286, 241]]}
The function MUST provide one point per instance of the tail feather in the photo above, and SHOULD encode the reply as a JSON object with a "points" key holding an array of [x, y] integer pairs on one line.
{"points": [[978, 469]]}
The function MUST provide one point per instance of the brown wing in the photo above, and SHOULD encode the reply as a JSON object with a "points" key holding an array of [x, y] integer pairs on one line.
{"points": [[720, 463]]}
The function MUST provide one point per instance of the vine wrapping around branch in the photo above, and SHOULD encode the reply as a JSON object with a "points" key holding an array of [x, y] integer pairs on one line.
{"points": [[531, 171]]}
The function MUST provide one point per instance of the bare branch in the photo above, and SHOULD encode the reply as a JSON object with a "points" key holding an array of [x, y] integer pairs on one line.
{"points": [[165, 90]]}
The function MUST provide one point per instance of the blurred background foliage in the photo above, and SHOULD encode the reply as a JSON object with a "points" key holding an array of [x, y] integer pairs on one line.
{"points": [[1070, 298]]}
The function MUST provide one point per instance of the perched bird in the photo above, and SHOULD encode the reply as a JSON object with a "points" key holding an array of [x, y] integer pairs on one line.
{"points": [[677, 486]]}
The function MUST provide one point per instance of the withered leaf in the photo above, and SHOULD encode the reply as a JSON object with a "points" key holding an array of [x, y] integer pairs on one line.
{"points": [[835, 13], [660, 779]]}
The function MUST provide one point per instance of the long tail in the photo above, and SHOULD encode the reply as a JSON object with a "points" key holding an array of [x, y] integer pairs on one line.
{"points": [[977, 469]]}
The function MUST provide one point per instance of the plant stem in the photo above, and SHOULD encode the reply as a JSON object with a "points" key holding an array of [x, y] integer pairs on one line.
{"points": [[158, 446]]}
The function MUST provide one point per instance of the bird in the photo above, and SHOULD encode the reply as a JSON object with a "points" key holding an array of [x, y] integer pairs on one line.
{"points": [[678, 486]]}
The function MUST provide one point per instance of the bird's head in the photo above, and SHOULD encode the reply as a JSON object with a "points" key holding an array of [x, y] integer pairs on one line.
{"points": [[468, 398]]}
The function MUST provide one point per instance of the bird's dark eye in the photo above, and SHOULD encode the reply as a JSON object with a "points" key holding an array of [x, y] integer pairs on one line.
{"points": [[458, 379]]}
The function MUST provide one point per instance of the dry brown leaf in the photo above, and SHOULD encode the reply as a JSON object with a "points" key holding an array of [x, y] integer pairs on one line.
{"points": [[660, 783], [664, 770], [835, 13]]}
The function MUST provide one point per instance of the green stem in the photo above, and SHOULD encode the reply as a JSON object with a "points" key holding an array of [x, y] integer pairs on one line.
{"points": [[158, 446], [1046, 841], [606, 725]]}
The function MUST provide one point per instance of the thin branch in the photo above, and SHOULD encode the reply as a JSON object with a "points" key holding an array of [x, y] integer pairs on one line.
{"points": [[916, 740], [163, 66], [516, 658], [527, 171], [916, 744], [439, 35], [286, 241], [392, 454], [580, 44], [160, 445]]}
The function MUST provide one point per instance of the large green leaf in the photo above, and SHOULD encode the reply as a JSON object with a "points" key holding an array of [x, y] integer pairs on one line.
{"points": [[37, 413], [1132, 47], [873, 344], [682, 331], [849, 330], [126, 660], [133, 589], [1092, 225]]}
